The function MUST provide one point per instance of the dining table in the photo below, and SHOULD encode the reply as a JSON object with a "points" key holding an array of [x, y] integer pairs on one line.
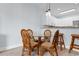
{"points": [[40, 41]]}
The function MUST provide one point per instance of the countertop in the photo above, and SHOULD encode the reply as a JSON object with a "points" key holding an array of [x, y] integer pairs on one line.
{"points": [[50, 26]]}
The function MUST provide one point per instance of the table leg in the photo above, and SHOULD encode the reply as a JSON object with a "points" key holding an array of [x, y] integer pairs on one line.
{"points": [[39, 43]]}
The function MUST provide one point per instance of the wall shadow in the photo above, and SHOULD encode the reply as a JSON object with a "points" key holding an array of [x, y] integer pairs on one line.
{"points": [[3, 42]]}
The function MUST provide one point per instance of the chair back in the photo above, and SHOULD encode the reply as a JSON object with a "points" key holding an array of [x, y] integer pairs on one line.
{"points": [[25, 38], [30, 32], [56, 37], [47, 35]]}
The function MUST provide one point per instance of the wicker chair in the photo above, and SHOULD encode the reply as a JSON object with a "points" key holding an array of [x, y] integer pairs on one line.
{"points": [[74, 45], [52, 47], [27, 43]]}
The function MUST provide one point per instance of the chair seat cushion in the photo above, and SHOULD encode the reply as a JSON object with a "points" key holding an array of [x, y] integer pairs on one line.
{"points": [[46, 45], [34, 44]]}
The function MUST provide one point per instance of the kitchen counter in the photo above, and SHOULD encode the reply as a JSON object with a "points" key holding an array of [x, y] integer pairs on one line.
{"points": [[50, 26]]}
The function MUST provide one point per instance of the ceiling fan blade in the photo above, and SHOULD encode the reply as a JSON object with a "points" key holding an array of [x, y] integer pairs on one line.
{"points": [[67, 11]]}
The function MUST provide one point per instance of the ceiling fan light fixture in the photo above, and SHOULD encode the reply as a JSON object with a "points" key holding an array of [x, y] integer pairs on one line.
{"points": [[48, 13], [58, 9]]}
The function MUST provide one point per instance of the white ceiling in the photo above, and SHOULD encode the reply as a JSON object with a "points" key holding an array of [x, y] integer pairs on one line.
{"points": [[57, 8], [54, 8]]}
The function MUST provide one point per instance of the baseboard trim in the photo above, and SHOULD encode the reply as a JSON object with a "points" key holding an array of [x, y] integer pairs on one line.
{"points": [[9, 47]]}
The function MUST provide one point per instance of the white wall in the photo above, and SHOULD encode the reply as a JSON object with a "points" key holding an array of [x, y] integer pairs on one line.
{"points": [[63, 21], [13, 17], [66, 21]]}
